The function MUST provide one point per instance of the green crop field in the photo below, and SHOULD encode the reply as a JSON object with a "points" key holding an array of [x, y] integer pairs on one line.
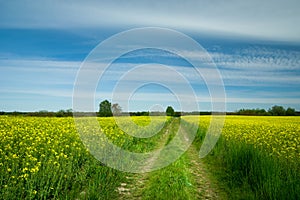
{"points": [[255, 158]]}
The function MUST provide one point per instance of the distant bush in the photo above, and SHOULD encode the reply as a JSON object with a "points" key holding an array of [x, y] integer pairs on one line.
{"points": [[274, 111], [177, 114], [290, 112], [143, 113], [277, 111], [257, 111]]}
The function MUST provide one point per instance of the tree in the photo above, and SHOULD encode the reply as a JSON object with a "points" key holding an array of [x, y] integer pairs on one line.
{"points": [[170, 111], [60, 113], [116, 109], [105, 109], [277, 111], [254, 112], [290, 112], [177, 114]]}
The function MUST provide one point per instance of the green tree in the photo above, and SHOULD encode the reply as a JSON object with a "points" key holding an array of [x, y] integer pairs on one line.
{"points": [[116, 109], [60, 113], [105, 109], [170, 111], [290, 112], [277, 111], [254, 112]]}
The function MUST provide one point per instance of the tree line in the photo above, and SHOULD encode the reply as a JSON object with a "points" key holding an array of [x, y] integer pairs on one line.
{"points": [[274, 111], [107, 109], [42, 113]]}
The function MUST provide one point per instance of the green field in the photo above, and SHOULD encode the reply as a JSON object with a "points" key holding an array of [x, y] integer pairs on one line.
{"points": [[255, 158]]}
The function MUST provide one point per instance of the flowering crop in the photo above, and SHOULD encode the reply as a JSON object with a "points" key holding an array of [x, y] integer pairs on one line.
{"points": [[280, 136], [42, 157], [257, 157], [36, 151]]}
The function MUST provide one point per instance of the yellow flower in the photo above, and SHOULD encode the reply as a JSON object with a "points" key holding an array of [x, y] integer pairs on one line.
{"points": [[25, 169], [35, 169]]}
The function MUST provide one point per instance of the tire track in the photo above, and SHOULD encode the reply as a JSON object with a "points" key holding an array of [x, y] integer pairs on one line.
{"points": [[133, 188], [205, 187]]}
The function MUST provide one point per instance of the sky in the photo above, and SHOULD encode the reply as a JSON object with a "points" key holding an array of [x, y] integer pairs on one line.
{"points": [[255, 45]]}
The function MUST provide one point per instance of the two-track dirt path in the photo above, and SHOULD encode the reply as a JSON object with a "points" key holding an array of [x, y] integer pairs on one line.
{"points": [[206, 188], [203, 185], [133, 188]]}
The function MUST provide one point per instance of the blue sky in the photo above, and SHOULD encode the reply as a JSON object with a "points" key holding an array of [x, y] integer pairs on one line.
{"points": [[255, 45]]}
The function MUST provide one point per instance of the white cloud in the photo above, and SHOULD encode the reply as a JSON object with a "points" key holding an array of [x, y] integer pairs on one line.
{"points": [[266, 19], [29, 73], [264, 100], [246, 67], [259, 58], [39, 91]]}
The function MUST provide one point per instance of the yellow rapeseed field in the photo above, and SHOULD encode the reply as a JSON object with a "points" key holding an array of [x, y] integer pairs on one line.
{"points": [[43, 156], [280, 136]]}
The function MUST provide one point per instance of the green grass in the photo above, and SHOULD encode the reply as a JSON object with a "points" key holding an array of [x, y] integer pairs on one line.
{"points": [[173, 181], [251, 173]]}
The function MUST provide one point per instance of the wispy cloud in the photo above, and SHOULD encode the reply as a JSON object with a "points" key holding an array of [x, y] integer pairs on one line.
{"points": [[256, 74], [259, 58], [59, 34], [28, 76], [265, 19], [244, 67], [39, 64]]}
